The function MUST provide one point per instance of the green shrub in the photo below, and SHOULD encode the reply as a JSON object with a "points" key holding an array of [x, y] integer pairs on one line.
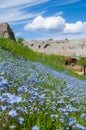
{"points": [[83, 61], [20, 39], [54, 61], [50, 39]]}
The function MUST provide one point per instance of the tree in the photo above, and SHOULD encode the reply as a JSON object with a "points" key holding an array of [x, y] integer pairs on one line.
{"points": [[83, 63], [20, 40], [50, 39]]}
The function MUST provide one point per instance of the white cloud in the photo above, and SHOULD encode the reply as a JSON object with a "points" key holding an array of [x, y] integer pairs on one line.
{"points": [[46, 24], [58, 13], [16, 3], [66, 2], [57, 24], [18, 34], [77, 27], [16, 15], [56, 3], [14, 10]]}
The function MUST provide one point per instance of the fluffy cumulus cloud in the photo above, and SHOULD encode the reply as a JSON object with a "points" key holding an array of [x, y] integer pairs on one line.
{"points": [[77, 27], [57, 24], [46, 24]]}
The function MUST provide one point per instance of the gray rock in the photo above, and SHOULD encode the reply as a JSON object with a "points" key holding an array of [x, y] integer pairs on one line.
{"points": [[6, 31]]}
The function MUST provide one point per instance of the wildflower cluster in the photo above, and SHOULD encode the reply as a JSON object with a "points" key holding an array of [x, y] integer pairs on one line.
{"points": [[36, 97]]}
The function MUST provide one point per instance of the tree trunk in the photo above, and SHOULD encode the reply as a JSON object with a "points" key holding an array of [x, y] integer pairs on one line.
{"points": [[84, 70]]}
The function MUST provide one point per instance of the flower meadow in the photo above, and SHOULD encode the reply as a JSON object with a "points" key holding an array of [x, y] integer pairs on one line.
{"points": [[35, 97]]}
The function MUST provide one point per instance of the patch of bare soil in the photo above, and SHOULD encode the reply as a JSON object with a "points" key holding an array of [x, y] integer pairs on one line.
{"points": [[76, 68]]}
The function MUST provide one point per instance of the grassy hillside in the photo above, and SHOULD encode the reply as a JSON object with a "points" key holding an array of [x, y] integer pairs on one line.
{"points": [[54, 61], [36, 97]]}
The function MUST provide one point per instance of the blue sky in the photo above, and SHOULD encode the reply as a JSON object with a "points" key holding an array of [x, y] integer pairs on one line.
{"points": [[44, 19]]}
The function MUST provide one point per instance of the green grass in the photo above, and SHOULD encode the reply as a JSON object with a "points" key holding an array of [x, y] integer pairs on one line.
{"points": [[43, 118], [54, 61]]}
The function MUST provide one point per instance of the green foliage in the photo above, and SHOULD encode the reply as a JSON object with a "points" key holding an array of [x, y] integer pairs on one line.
{"points": [[43, 119], [54, 61], [20, 39], [83, 61], [50, 39]]}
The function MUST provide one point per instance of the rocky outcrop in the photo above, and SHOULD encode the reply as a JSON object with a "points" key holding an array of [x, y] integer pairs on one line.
{"points": [[6, 31]]}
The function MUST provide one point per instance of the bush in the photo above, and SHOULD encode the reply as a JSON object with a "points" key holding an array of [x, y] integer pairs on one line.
{"points": [[83, 61], [50, 39], [20, 39]]}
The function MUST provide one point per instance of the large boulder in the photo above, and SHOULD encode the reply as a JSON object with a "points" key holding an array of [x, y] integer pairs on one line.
{"points": [[6, 31]]}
